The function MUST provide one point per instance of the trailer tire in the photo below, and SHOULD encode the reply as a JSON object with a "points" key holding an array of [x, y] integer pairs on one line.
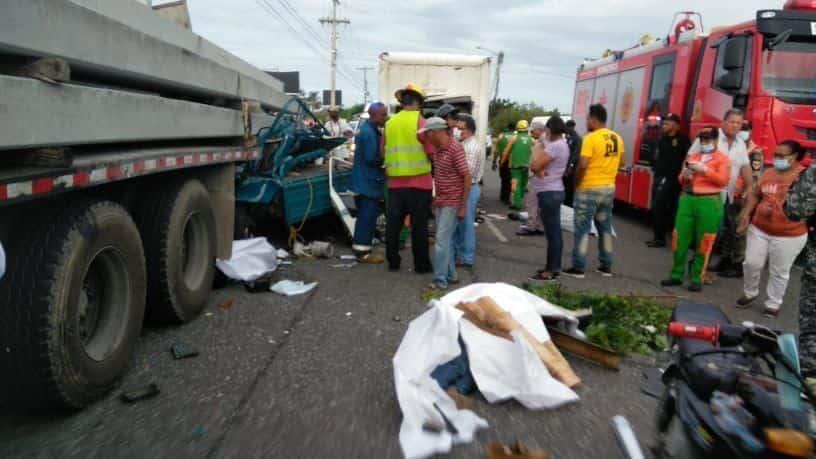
{"points": [[73, 305], [179, 233]]}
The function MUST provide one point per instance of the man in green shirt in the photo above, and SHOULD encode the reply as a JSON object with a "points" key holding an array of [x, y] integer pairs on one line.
{"points": [[518, 151], [504, 167]]}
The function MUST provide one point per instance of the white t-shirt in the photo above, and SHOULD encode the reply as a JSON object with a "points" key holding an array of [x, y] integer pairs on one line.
{"points": [[738, 154], [336, 128]]}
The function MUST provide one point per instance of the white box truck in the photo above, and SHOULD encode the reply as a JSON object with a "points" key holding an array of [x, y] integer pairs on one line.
{"points": [[461, 80]]}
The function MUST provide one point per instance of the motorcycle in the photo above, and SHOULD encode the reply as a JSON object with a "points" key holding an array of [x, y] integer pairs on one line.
{"points": [[732, 391]]}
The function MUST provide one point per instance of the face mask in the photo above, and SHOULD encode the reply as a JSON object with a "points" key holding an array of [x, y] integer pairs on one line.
{"points": [[707, 148], [744, 136], [781, 164]]}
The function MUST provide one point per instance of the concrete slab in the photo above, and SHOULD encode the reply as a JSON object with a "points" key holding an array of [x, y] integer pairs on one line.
{"points": [[38, 114], [125, 42]]}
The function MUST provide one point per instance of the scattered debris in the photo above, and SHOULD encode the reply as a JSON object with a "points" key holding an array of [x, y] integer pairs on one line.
{"points": [[345, 265], [251, 259], [653, 382], [347, 257], [286, 332], [397, 318], [496, 217], [143, 393], [292, 288], [585, 349], [208, 314], [183, 351], [516, 451], [271, 341], [226, 304], [259, 285], [317, 249], [348, 314], [626, 438], [282, 254]]}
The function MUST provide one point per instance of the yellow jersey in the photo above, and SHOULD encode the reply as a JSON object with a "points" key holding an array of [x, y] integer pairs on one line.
{"points": [[604, 148]]}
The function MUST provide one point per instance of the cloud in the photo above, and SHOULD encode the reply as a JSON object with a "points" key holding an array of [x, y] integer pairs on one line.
{"points": [[544, 40]]}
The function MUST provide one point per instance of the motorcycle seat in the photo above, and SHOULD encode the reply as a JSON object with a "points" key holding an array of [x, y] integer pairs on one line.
{"points": [[708, 372]]}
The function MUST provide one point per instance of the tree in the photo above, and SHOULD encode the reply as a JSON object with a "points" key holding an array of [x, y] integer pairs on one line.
{"points": [[504, 111]]}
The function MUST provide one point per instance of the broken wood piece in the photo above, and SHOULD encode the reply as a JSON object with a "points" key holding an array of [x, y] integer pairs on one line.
{"points": [[49, 69], [585, 349], [517, 451], [486, 314]]}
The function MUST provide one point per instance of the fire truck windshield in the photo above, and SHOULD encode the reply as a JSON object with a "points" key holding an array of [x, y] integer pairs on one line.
{"points": [[789, 72]]}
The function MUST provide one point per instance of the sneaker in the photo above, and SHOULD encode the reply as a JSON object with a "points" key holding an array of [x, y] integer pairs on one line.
{"points": [[371, 259], [529, 232], [605, 272], [695, 287], [572, 272], [771, 311], [671, 283], [744, 301], [544, 276]]}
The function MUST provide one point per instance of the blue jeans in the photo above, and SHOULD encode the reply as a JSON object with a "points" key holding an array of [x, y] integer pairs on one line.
{"points": [[593, 205], [443, 262], [549, 209], [465, 236], [368, 209]]}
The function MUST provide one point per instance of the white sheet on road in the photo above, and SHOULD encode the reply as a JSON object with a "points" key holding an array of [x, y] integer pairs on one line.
{"points": [[502, 369], [568, 222], [251, 259], [292, 288]]}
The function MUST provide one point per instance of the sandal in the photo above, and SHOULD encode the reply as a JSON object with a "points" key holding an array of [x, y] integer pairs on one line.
{"points": [[544, 276]]}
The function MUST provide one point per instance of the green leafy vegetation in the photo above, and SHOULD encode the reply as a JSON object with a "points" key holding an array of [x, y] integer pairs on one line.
{"points": [[624, 323], [505, 111], [428, 295]]}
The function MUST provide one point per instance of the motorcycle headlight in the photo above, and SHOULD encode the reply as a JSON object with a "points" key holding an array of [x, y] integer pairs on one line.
{"points": [[788, 442]]}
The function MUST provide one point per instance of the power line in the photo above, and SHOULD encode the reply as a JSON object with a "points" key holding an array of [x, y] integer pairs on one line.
{"points": [[270, 9], [333, 21]]}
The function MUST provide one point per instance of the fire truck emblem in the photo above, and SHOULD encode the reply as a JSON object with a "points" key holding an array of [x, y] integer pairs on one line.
{"points": [[627, 104]]}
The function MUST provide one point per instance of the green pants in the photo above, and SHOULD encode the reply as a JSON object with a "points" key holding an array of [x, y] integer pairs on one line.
{"points": [[518, 177], [698, 218]]}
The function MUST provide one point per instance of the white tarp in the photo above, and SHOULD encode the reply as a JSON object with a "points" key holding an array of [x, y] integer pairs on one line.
{"points": [[502, 369], [251, 259]]}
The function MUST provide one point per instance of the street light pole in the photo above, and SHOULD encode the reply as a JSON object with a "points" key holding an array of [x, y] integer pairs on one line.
{"points": [[333, 21], [499, 61]]}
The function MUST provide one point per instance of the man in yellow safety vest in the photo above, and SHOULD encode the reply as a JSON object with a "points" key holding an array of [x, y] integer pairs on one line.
{"points": [[408, 169]]}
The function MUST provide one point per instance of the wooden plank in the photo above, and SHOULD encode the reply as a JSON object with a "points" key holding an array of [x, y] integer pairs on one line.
{"points": [[585, 349]]}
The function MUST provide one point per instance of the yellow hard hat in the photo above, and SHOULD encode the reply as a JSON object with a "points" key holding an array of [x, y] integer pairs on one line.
{"points": [[522, 125], [410, 87]]}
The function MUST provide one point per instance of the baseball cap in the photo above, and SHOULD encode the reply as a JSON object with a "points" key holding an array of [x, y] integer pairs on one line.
{"points": [[434, 123], [671, 117]]}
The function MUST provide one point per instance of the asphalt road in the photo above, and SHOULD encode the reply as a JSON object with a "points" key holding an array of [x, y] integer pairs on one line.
{"points": [[311, 377]]}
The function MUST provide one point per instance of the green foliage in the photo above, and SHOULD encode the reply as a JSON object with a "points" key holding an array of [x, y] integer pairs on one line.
{"points": [[504, 111], [348, 113], [625, 323], [428, 295]]}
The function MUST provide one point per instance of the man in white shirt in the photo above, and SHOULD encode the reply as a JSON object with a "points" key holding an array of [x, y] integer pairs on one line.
{"points": [[732, 245], [335, 125], [465, 235]]}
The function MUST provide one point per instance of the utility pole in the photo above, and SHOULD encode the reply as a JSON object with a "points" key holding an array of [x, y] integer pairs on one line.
{"points": [[333, 21], [499, 62], [365, 83]]}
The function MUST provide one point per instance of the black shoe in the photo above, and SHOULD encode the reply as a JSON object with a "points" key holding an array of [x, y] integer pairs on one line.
{"points": [[423, 270], [529, 232], [393, 269], [722, 265], [671, 283], [656, 244], [731, 274], [605, 272], [572, 272], [745, 301], [694, 287]]}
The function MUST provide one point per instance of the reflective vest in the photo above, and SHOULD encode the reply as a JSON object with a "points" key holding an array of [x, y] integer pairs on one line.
{"points": [[404, 154]]}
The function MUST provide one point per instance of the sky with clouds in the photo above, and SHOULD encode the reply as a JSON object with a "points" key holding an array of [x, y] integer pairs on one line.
{"points": [[543, 40]]}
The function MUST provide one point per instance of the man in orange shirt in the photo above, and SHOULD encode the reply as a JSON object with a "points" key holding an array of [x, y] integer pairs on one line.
{"points": [[699, 215]]}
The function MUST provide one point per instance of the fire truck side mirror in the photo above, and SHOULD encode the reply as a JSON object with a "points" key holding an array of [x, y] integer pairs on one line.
{"points": [[735, 53]]}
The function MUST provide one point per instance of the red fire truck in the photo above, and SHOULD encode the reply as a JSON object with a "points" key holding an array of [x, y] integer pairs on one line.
{"points": [[766, 67]]}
